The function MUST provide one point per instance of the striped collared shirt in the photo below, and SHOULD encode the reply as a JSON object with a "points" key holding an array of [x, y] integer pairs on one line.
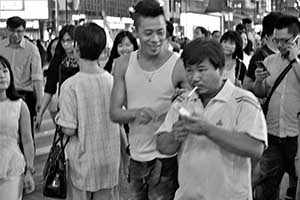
{"points": [[94, 151], [25, 62]]}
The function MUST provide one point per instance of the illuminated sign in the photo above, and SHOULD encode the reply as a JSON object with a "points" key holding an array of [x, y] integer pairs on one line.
{"points": [[29, 9], [11, 5]]}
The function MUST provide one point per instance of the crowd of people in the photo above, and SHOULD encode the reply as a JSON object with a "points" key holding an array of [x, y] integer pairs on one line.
{"points": [[192, 114]]}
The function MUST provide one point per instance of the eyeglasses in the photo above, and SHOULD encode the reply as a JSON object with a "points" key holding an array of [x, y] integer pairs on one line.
{"points": [[284, 40], [67, 41]]}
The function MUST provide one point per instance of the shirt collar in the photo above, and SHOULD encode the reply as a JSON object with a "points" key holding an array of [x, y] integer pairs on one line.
{"points": [[22, 43], [225, 94], [7, 42]]}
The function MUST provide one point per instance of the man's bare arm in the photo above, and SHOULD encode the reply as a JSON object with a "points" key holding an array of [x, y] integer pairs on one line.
{"points": [[118, 94], [179, 77]]}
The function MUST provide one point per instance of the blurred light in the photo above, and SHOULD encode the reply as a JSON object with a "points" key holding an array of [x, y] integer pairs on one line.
{"points": [[127, 20], [2, 24]]}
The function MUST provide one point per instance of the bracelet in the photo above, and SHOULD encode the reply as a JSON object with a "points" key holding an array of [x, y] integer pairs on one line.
{"points": [[30, 169]]}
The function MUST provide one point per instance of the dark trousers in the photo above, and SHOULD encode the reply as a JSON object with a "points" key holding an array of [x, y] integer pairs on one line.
{"points": [[30, 100], [278, 158], [152, 180]]}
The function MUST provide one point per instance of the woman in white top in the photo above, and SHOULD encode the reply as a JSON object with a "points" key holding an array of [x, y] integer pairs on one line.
{"points": [[234, 70], [16, 168]]}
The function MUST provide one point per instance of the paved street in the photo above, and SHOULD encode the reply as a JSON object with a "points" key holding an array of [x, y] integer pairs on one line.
{"points": [[43, 141]]}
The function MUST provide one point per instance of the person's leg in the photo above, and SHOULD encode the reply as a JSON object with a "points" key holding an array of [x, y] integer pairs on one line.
{"points": [[290, 151], [11, 188], [168, 180], [107, 194], [267, 186], [138, 186]]}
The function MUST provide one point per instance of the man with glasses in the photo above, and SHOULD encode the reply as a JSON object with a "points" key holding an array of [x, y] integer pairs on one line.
{"points": [[282, 113], [267, 49], [25, 61]]}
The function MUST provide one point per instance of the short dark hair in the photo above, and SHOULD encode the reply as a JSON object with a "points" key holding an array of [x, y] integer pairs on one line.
{"points": [[268, 23], [11, 92], [170, 29], [91, 40], [15, 22], [246, 21], [114, 50], [290, 22], [236, 38], [199, 50], [146, 8], [202, 29], [240, 28], [215, 31]]}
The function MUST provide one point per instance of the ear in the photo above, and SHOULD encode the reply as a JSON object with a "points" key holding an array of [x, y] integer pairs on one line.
{"points": [[76, 51], [220, 71]]}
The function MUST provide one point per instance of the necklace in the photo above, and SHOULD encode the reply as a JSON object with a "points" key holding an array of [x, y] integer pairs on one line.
{"points": [[149, 76]]}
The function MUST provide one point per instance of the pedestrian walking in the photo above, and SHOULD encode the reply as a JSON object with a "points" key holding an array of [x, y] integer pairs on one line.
{"points": [[282, 112], [25, 62], [221, 130], [93, 151], [62, 66], [16, 143], [144, 83], [124, 43], [234, 70]]}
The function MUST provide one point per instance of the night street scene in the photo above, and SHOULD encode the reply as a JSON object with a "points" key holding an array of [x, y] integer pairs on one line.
{"points": [[149, 99]]}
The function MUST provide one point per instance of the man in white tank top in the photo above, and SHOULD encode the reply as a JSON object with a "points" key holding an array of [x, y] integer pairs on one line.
{"points": [[144, 83]]}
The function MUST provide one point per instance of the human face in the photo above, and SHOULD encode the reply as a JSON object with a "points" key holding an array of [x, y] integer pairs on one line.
{"points": [[283, 39], [151, 32], [216, 36], [16, 35], [125, 46], [67, 43], [248, 26], [4, 77], [198, 34], [244, 39], [228, 47], [205, 76]]}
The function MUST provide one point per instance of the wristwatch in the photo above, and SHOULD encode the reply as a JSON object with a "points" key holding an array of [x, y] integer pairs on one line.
{"points": [[30, 169]]}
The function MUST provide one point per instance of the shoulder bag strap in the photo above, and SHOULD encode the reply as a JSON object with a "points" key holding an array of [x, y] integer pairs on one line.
{"points": [[276, 84]]}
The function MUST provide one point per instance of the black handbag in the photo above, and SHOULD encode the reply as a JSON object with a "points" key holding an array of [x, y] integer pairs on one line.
{"points": [[55, 181]]}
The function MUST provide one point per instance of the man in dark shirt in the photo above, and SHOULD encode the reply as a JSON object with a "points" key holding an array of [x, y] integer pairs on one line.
{"points": [[267, 49]]}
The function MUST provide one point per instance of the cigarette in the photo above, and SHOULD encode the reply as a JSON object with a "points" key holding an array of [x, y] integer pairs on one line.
{"points": [[296, 38], [192, 92]]}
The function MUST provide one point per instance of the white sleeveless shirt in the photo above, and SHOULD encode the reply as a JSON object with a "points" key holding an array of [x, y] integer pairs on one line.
{"points": [[12, 161], [148, 89]]}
